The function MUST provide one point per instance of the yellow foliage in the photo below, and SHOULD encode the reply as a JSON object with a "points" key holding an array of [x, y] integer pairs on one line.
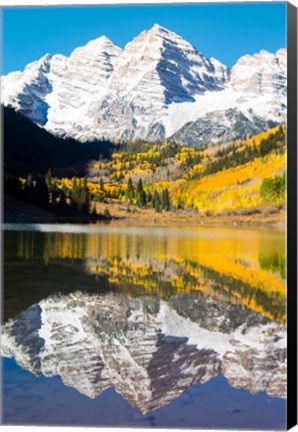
{"points": [[111, 189], [185, 261], [229, 189], [258, 138]]}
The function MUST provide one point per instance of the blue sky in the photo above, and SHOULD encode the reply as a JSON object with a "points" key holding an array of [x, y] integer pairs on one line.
{"points": [[223, 31]]}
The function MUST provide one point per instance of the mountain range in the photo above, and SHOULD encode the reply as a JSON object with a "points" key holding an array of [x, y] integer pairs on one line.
{"points": [[158, 87], [148, 349]]}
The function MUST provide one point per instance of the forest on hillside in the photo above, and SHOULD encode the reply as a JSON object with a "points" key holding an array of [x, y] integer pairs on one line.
{"points": [[139, 177]]}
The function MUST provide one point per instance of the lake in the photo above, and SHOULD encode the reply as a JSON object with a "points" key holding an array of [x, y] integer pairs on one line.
{"points": [[147, 326]]}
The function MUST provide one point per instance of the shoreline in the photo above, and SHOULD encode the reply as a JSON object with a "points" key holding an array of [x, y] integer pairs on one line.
{"points": [[204, 222], [16, 211]]}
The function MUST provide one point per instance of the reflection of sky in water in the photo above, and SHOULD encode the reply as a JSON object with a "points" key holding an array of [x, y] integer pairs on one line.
{"points": [[234, 277], [28, 399]]}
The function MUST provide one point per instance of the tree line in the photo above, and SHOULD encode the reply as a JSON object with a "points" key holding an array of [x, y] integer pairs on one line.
{"points": [[44, 193], [230, 157], [157, 200]]}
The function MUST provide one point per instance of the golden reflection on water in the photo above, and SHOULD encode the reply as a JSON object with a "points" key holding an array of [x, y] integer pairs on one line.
{"points": [[243, 266]]}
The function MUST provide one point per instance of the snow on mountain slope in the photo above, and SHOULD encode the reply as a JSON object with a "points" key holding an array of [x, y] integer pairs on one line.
{"points": [[221, 126], [56, 91], [149, 90], [260, 73], [85, 79], [260, 83], [27, 91], [258, 89], [144, 348], [162, 58], [155, 70]]}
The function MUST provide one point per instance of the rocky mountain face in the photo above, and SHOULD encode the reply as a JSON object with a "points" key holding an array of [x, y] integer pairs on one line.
{"points": [[55, 92], [260, 73], [158, 87], [149, 350], [221, 126]]}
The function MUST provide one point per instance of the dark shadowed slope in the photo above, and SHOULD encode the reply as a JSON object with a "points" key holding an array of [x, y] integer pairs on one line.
{"points": [[28, 148]]}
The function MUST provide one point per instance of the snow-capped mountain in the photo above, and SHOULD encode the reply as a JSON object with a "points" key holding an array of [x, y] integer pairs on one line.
{"points": [[222, 126], [55, 92], [148, 349], [254, 100], [152, 89]]}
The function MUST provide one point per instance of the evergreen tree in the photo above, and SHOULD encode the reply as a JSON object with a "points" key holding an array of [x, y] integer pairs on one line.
{"points": [[130, 193], [141, 200], [141, 194], [140, 186], [157, 202], [149, 197], [165, 200]]}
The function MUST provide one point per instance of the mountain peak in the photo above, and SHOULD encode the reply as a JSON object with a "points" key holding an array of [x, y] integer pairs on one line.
{"points": [[155, 34], [97, 46], [101, 41], [101, 90], [41, 65], [46, 57], [159, 28], [163, 32]]}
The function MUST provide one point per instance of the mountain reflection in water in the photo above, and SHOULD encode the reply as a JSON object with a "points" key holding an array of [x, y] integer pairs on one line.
{"points": [[148, 315]]}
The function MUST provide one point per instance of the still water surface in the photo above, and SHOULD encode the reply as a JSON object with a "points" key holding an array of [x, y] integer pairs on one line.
{"points": [[144, 326]]}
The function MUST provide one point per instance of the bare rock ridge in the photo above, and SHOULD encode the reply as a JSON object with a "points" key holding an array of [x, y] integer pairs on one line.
{"points": [[144, 348], [159, 86]]}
